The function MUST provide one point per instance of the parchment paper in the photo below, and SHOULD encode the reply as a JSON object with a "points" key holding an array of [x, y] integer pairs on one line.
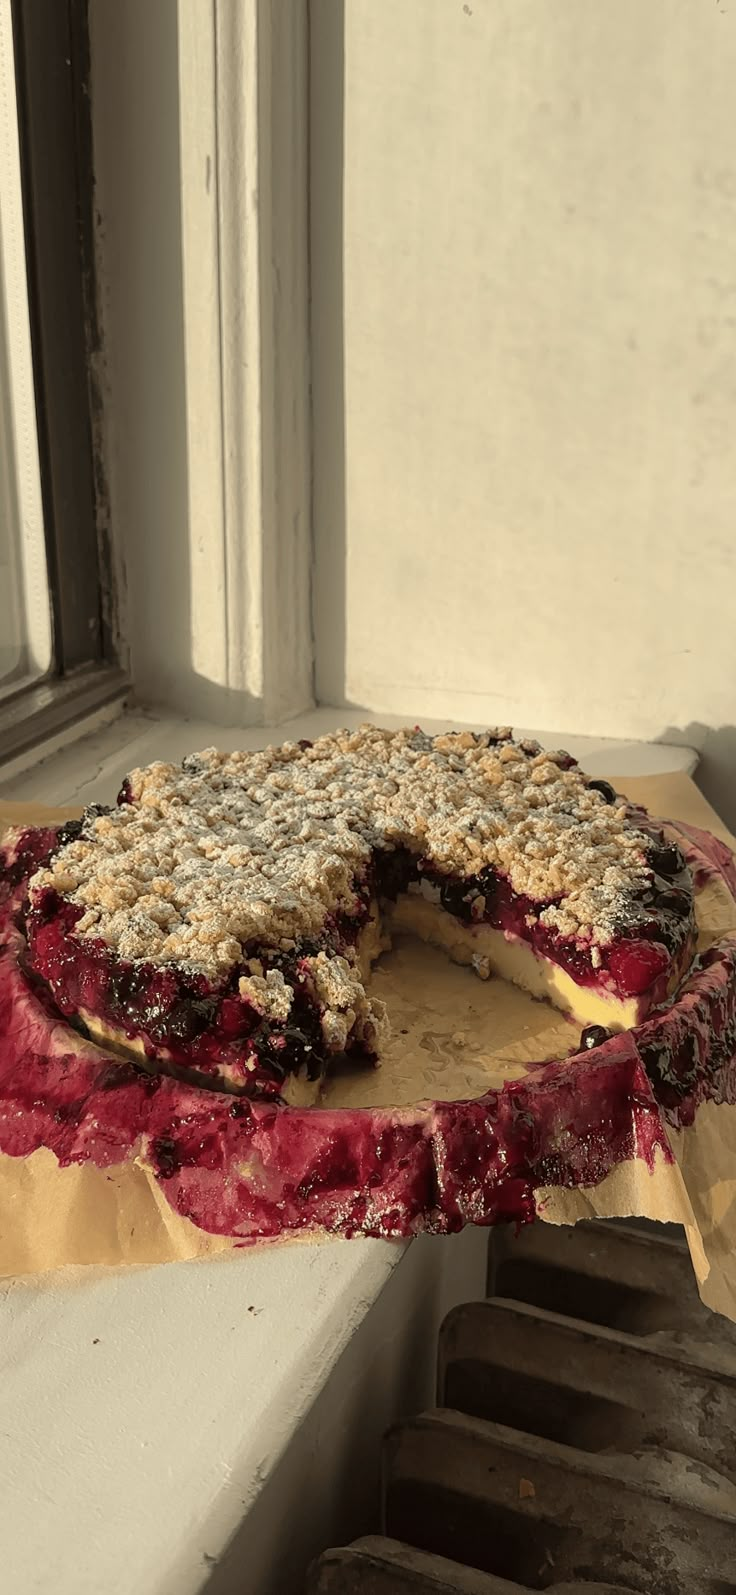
{"points": [[453, 1036]]}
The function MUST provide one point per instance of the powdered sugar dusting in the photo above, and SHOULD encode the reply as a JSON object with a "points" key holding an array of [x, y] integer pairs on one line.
{"points": [[232, 852]]}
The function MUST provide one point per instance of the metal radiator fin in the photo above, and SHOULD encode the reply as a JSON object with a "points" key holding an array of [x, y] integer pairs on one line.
{"points": [[585, 1437], [376, 1566]]}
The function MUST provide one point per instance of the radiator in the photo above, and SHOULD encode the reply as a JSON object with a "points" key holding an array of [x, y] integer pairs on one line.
{"points": [[584, 1440]]}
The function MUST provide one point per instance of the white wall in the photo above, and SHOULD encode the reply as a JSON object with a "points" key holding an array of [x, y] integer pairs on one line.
{"points": [[528, 512]]}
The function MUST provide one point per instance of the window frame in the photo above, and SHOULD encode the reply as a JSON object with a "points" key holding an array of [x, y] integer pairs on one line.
{"points": [[200, 117], [196, 355], [51, 44]]}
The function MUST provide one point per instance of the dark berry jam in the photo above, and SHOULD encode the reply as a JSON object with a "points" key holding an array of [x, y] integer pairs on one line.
{"points": [[608, 792], [198, 1026], [594, 1036]]}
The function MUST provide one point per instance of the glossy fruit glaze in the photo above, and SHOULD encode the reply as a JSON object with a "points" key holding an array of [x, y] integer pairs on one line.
{"points": [[254, 1169]]}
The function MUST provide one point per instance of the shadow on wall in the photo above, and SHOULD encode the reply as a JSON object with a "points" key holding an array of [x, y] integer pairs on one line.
{"points": [[329, 503], [716, 772]]}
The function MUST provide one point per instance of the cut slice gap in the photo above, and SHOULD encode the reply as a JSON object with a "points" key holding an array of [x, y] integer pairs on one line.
{"points": [[513, 960], [452, 1036]]}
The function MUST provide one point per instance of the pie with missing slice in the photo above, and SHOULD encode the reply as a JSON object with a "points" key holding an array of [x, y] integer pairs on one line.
{"points": [[223, 917], [212, 938]]}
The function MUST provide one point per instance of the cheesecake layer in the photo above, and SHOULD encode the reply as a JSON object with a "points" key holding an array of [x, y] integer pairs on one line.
{"points": [[491, 951]]}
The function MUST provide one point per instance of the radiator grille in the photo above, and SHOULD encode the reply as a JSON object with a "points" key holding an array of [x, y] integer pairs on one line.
{"points": [[584, 1440]]}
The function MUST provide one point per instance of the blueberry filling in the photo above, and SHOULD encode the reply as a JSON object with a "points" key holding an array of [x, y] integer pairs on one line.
{"points": [[470, 900], [165, 1157], [70, 831], [393, 871], [666, 859], [209, 1033], [593, 1036], [606, 790], [94, 811], [669, 898]]}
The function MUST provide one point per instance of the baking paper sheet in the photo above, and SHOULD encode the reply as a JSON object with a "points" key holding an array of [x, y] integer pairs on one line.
{"points": [[453, 1036]]}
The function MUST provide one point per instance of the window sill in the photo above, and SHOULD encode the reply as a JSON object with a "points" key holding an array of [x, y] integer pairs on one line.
{"points": [[92, 769], [38, 720]]}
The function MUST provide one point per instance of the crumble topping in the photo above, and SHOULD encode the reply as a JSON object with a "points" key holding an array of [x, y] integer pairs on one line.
{"points": [[346, 1009], [268, 994], [235, 851]]}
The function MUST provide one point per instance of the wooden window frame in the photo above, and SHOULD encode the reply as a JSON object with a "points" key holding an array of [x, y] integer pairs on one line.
{"points": [[51, 44]]}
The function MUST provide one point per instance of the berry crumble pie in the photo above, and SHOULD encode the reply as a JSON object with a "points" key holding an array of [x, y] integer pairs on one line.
{"points": [[221, 921], [187, 1026]]}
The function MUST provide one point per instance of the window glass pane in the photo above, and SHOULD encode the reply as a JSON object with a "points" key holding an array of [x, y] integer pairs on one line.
{"points": [[25, 622]]}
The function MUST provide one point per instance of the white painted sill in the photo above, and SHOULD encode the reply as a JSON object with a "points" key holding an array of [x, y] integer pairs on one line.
{"points": [[216, 1423], [92, 769]]}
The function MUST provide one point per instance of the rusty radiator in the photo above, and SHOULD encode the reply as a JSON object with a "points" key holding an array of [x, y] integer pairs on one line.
{"points": [[584, 1440]]}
